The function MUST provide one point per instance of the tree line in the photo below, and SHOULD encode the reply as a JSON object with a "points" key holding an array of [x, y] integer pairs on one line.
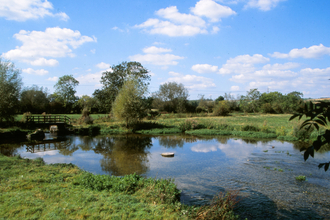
{"points": [[124, 93]]}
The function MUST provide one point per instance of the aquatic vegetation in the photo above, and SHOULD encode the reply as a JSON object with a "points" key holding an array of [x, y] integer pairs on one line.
{"points": [[301, 178]]}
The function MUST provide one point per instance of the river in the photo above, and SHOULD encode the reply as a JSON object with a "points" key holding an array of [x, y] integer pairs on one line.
{"points": [[263, 171]]}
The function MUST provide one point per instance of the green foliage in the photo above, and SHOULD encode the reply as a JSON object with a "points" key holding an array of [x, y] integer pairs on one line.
{"points": [[92, 130], [65, 89], [221, 207], [10, 86], [221, 109], [267, 108], [301, 178], [129, 184], [190, 124], [114, 80], [129, 105], [34, 99], [29, 189], [249, 128], [319, 115], [171, 97]]}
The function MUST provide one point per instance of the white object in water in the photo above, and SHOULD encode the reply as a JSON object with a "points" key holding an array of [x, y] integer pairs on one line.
{"points": [[167, 154]]}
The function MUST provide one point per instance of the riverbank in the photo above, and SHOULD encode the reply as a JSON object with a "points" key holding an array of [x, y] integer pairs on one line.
{"points": [[238, 124], [31, 189]]}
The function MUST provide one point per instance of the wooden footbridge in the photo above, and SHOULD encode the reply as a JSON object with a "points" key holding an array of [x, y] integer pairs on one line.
{"points": [[49, 120]]}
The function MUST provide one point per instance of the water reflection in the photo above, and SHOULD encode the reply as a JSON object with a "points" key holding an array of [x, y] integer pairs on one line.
{"points": [[263, 171], [124, 155]]}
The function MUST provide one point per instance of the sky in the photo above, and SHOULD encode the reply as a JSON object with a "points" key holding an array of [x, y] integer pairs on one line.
{"points": [[212, 47]]}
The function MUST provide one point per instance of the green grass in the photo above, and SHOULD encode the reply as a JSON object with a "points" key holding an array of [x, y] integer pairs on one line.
{"points": [[30, 189], [237, 124]]}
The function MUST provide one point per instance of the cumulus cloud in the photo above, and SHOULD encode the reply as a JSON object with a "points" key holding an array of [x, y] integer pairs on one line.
{"points": [[192, 82], [154, 49], [212, 10], [173, 23], [31, 71], [28, 9], [307, 53], [53, 42], [242, 64], [279, 66], [102, 65], [234, 88], [44, 62], [54, 79], [154, 55], [204, 68], [263, 5]]}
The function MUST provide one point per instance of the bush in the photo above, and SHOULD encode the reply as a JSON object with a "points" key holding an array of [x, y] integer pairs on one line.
{"points": [[267, 108], [85, 118], [250, 128], [190, 124], [221, 109]]}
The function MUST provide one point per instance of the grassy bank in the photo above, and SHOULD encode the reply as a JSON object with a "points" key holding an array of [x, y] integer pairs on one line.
{"points": [[30, 189], [237, 124]]}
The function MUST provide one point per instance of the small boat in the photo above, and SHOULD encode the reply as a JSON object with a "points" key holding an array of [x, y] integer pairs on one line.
{"points": [[167, 154]]}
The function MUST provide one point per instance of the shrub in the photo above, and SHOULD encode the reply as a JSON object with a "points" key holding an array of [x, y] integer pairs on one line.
{"points": [[25, 115], [267, 108], [301, 133], [85, 118], [189, 124], [250, 128], [221, 109]]}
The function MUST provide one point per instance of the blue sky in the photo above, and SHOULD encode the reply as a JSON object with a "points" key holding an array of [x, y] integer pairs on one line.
{"points": [[212, 47]]}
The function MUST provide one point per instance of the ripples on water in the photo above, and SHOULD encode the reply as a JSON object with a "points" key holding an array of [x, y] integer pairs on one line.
{"points": [[263, 171]]}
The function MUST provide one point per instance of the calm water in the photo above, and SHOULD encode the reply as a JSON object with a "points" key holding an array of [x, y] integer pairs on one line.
{"points": [[263, 171]]}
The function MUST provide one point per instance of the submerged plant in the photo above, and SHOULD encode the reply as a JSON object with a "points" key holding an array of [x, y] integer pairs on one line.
{"points": [[301, 178]]}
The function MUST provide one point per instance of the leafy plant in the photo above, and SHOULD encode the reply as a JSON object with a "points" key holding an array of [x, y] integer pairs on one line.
{"points": [[318, 114], [301, 178]]}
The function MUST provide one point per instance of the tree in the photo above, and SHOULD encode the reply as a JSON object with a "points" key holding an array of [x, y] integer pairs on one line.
{"points": [[34, 99], [114, 79], [220, 98], [319, 116], [129, 104], [10, 86], [65, 90], [171, 97], [87, 102]]}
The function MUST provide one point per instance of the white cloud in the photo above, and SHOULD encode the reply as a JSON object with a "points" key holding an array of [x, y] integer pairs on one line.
{"points": [[192, 82], [44, 62], [154, 49], [204, 68], [311, 52], [152, 56], [173, 23], [212, 10], [317, 72], [31, 71], [156, 59], [155, 26], [28, 9], [278, 66], [53, 42], [242, 64], [93, 51], [263, 5], [102, 65], [54, 79], [172, 14], [234, 88]]}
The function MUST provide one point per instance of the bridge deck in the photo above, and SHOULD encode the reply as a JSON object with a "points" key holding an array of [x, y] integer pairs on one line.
{"points": [[49, 119]]}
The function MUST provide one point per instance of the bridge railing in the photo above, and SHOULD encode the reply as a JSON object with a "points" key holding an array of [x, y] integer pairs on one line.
{"points": [[48, 119]]}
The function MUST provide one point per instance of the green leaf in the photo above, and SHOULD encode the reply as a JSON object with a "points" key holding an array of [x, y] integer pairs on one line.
{"points": [[293, 117]]}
